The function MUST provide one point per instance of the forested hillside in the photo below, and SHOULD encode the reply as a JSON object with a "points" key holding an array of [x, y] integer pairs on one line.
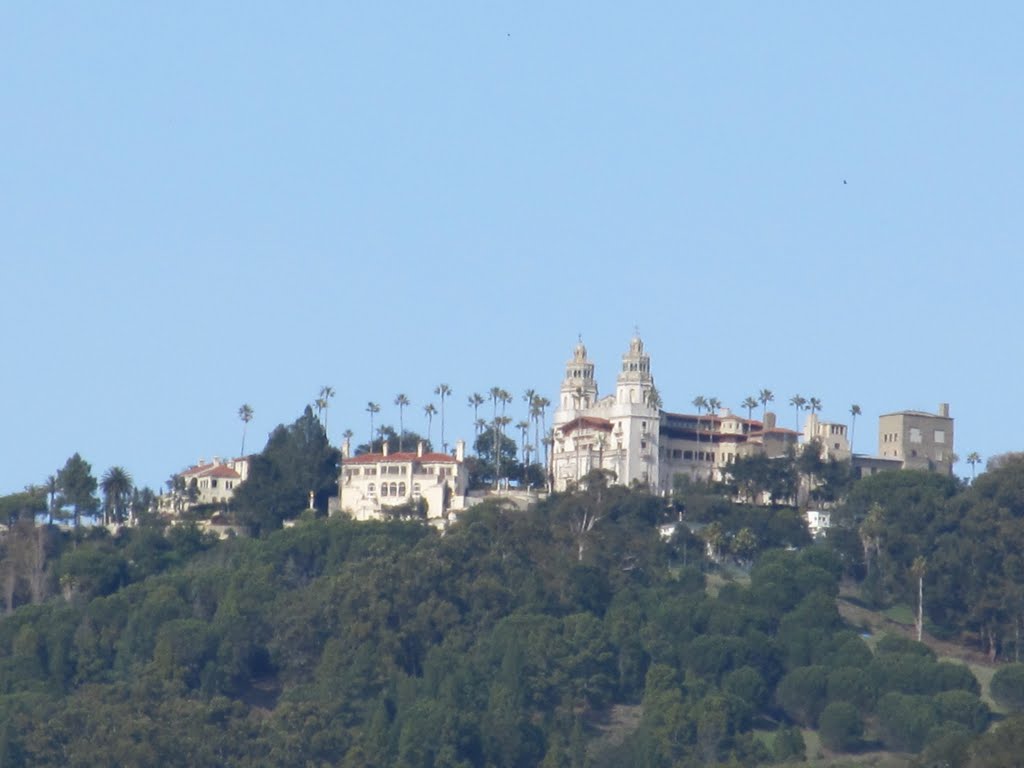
{"points": [[508, 641]]}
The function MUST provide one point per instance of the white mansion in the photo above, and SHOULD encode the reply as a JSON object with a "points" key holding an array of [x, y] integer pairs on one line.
{"points": [[372, 482], [628, 434]]}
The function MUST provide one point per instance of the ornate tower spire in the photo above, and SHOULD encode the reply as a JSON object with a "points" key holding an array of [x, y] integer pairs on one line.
{"points": [[579, 387], [635, 381]]}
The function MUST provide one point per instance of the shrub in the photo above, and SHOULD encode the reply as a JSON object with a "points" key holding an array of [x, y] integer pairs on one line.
{"points": [[1008, 687], [840, 727]]}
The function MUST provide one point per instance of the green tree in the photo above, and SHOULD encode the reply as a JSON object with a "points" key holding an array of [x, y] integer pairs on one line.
{"points": [[245, 413], [296, 460], [372, 408], [750, 404], [429, 409], [401, 401], [765, 396], [854, 413], [798, 404], [117, 487], [973, 458], [840, 726], [1008, 687], [78, 487], [443, 391], [324, 402]]}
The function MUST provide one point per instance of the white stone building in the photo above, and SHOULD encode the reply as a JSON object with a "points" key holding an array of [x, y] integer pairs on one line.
{"points": [[371, 482], [211, 482], [629, 435]]}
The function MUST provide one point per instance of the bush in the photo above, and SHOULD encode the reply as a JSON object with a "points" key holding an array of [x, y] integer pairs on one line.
{"points": [[905, 721], [789, 745], [1008, 687], [802, 693], [840, 727], [963, 708]]}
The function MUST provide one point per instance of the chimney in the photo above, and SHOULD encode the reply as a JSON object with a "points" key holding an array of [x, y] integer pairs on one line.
{"points": [[769, 421], [460, 450], [419, 449], [346, 448], [384, 446], [944, 410]]}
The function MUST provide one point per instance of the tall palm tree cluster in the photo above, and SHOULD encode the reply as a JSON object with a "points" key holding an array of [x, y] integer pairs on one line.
{"points": [[500, 399]]}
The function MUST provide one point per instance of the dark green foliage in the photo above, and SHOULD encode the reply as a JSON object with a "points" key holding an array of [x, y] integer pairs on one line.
{"points": [[297, 459], [840, 726], [963, 708], [502, 642], [789, 745], [905, 721], [802, 694], [1008, 687], [78, 487], [1003, 747]]}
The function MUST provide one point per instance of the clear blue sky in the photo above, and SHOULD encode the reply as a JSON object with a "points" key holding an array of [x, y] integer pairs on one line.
{"points": [[208, 204]]}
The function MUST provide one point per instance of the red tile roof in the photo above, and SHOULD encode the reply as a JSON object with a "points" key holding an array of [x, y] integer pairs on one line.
{"points": [[211, 470], [400, 457], [587, 422]]}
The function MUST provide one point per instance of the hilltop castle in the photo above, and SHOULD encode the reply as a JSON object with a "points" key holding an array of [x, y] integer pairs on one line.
{"points": [[630, 435]]}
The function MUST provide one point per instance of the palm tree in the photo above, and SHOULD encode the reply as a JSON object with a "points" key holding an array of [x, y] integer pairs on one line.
{"points": [[116, 485], [430, 409], [854, 413], [713, 405], [324, 402], [245, 413], [443, 391], [347, 436], [542, 404], [750, 404], [499, 433], [524, 432], [814, 405], [52, 488], [506, 398], [798, 403], [372, 408], [654, 398], [700, 403], [401, 401], [918, 569], [475, 401], [494, 395], [479, 425], [765, 396], [973, 458]]}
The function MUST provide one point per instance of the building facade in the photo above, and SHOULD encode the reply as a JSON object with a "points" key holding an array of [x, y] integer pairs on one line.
{"points": [[371, 483], [918, 439], [204, 483], [630, 436]]}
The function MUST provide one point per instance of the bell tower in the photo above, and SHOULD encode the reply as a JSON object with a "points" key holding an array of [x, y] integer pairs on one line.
{"points": [[579, 387], [635, 382]]}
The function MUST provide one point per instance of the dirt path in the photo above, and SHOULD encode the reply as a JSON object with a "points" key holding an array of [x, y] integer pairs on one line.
{"points": [[859, 616]]}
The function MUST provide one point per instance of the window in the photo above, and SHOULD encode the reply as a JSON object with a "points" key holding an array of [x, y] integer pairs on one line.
{"points": [[370, 489], [401, 489], [688, 455], [940, 436], [915, 435], [383, 489], [394, 489]]}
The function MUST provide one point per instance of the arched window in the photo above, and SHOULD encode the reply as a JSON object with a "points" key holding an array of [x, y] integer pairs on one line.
{"points": [[370, 489], [383, 489], [401, 489], [416, 489], [394, 489]]}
